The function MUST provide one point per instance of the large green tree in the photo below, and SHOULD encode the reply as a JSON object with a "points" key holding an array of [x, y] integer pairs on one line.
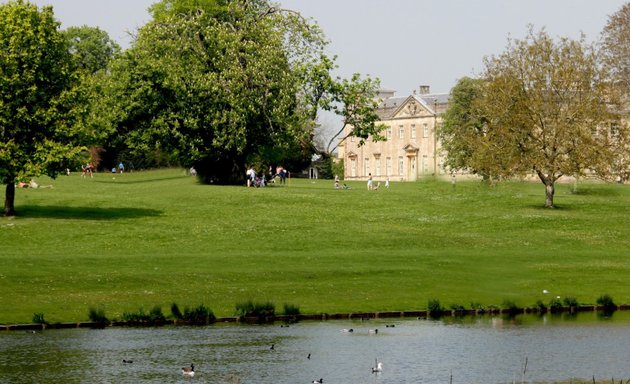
{"points": [[214, 93], [542, 108], [463, 126], [37, 135], [220, 85], [92, 51]]}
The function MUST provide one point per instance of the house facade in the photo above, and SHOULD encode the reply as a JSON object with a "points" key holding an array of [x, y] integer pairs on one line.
{"points": [[411, 150]]}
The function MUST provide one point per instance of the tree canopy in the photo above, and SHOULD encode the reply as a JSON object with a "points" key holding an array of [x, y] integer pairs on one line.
{"points": [[544, 108], [616, 46], [221, 85], [463, 126], [91, 47], [615, 52], [37, 134], [357, 106]]}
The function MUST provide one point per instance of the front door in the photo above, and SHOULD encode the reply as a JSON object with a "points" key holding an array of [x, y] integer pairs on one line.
{"points": [[412, 173]]}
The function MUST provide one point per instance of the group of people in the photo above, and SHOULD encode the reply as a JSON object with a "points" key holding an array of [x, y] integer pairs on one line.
{"points": [[32, 184], [370, 183], [121, 168], [254, 180], [89, 169], [372, 187]]}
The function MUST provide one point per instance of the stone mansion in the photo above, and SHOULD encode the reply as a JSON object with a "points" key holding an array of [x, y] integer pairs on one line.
{"points": [[411, 150]]}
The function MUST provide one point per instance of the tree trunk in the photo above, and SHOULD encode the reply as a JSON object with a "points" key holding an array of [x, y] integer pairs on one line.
{"points": [[549, 190], [548, 180], [9, 200]]}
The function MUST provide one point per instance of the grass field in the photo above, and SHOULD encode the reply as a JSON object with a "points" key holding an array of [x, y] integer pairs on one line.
{"points": [[158, 237]]}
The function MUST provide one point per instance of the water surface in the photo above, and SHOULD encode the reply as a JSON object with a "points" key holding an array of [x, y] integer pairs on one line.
{"points": [[469, 350]]}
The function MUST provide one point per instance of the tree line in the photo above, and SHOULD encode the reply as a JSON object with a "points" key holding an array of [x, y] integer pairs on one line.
{"points": [[221, 85], [213, 84]]}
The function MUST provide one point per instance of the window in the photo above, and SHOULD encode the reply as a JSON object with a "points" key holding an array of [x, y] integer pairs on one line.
{"points": [[425, 164], [425, 130], [353, 167], [413, 131], [367, 166], [401, 164], [388, 166], [614, 130], [401, 132], [378, 166], [388, 133]]}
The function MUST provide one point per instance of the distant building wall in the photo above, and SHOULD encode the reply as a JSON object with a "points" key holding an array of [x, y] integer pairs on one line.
{"points": [[411, 149]]}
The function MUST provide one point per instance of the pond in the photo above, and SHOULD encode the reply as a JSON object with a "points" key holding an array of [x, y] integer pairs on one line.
{"points": [[481, 349]]}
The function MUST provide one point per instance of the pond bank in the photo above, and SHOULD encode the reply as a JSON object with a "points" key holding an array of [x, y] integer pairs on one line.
{"points": [[424, 314]]}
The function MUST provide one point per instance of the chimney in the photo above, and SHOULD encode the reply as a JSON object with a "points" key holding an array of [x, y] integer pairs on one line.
{"points": [[425, 89]]}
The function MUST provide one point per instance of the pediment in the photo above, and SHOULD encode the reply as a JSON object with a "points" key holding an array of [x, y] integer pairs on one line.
{"points": [[410, 148], [412, 107], [352, 154]]}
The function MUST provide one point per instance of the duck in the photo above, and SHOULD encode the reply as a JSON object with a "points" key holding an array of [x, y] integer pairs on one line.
{"points": [[374, 331], [125, 361], [273, 346], [320, 381], [189, 371], [378, 368], [345, 330]]}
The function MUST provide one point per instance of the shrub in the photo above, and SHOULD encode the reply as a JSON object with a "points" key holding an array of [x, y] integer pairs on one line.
{"points": [[243, 309], [542, 308], [291, 310], [38, 318], [570, 301], [511, 307], [262, 311], [155, 316], [97, 315], [458, 309], [176, 312], [478, 307], [434, 308], [199, 315], [606, 301], [555, 306]]}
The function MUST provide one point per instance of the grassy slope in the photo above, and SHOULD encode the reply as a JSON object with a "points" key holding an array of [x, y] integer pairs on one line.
{"points": [[153, 238]]}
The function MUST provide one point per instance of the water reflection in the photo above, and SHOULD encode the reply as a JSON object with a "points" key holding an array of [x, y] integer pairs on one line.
{"points": [[471, 349]]}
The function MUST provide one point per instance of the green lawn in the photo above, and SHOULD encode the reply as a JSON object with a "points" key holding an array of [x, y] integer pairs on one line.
{"points": [[154, 238]]}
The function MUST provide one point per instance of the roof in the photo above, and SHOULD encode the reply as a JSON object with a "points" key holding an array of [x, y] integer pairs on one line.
{"points": [[388, 106]]}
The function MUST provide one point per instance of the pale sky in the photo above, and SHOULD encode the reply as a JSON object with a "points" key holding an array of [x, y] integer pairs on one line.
{"points": [[405, 43]]}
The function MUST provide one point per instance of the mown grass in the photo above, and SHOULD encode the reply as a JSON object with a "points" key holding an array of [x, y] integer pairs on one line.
{"points": [[155, 238]]}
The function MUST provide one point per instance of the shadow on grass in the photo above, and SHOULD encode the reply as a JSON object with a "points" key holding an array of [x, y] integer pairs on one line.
{"points": [[85, 213], [121, 179], [586, 191]]}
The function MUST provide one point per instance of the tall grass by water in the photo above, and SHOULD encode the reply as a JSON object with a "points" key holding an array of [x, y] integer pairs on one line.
{"points": [[145, 239]]}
